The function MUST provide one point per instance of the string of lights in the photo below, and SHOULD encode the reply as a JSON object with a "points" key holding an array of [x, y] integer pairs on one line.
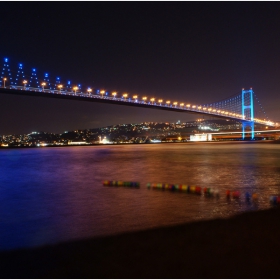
{"points": [[235, 107]]}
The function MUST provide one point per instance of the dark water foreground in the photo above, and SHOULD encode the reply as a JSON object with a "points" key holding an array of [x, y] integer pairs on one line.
{"points": [[243, 246]]}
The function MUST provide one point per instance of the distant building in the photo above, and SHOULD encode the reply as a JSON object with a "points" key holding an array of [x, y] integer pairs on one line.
{"points": [[201, 137]]}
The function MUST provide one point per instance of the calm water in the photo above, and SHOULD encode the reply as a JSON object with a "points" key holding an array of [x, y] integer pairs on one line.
{"points": [[49, 195]]}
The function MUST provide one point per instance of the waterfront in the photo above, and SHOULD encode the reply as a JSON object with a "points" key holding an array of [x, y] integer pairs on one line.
{"points": [[51, 195]]}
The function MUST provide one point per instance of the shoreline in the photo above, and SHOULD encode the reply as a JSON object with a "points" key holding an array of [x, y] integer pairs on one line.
{"points": [[118, 144], [243, 246]]}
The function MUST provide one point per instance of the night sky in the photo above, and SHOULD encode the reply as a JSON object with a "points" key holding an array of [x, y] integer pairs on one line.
{"points": [[197, 52]]}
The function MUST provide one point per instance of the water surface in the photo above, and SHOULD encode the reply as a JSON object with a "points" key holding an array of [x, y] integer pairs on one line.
{"points": [[49, 195]]}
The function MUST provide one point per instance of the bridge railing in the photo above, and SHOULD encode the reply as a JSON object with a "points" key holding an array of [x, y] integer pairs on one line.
{"points": [[189, 108]]}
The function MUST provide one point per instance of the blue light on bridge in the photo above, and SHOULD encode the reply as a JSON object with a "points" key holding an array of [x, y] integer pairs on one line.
{"points": [[6, 59]]}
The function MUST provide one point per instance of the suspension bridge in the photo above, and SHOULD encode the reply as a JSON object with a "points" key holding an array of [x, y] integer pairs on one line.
{"points": [[240, 107]]}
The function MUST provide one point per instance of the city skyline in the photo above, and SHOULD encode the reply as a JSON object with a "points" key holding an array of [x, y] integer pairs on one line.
{"points": [[193, 52]]}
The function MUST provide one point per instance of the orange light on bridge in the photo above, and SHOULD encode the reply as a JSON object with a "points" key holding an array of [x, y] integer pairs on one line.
{"points": [[125, 95], [160, 101], [135, 97], [24, 83], [175, 103], [152, 99], [193, 106], [199, 107], [168, 102], [114, 94], [4, 80], [102, 92], [144, 98], [204, 108], [209, 109], [75, 89], [60, 87], [89, 90], [188, 105], [181, 104]]}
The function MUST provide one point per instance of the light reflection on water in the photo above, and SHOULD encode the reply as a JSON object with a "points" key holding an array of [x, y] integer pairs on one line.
{"points": [[49, 195]]}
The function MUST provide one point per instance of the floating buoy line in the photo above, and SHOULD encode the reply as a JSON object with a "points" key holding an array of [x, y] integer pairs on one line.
{"points": [[193, 189], [122, 184]]}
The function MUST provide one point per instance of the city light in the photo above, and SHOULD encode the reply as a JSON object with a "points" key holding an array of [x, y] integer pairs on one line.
{"points": [[4, 79]]}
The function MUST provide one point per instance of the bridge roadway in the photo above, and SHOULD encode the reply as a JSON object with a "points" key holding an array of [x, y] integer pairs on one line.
{"points": [[39, 92]]}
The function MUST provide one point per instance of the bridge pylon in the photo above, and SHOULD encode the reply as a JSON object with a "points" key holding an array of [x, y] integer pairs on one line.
{"points": [[248, 112]]}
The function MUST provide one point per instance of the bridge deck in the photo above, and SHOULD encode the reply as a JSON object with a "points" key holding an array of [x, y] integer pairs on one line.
{"points": [[39, 92]]}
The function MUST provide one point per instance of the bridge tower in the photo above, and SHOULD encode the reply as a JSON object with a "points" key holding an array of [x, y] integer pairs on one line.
{"points": [[20, 75], [33, 82], [248, 111], [47, 81], [6, 72]]}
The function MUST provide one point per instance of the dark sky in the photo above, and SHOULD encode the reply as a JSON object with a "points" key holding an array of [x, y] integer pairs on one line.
{"points": [[197, 52]]}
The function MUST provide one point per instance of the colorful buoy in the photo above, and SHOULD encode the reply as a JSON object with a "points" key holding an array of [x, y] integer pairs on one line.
{"points": [[255, 197], [211, 192], [247, 197], [274, 200], [228, 194], [236, 194], [198, 190]]}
